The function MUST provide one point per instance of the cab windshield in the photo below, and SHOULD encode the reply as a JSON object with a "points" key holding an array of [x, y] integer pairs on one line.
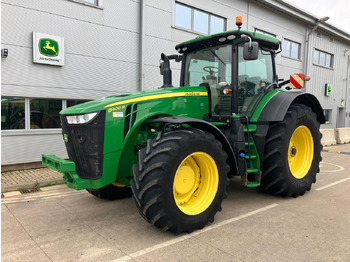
{"points": [[212, 67]]}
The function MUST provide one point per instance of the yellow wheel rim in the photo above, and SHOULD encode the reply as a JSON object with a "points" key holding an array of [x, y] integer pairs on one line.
{"points": [[195, 183], [301, 152], [118, 184]]}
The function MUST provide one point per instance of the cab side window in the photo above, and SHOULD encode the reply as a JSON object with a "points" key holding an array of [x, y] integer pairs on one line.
{"points": [[253, 77]]}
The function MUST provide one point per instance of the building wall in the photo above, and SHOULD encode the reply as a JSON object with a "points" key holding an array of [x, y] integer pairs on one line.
{"points": [[101, 59], [102, 55], [336, 77]]}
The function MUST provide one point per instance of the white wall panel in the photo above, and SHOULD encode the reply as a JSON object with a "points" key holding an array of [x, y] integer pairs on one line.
{"points": [[81, 76], [28, 148], [157, 22]]}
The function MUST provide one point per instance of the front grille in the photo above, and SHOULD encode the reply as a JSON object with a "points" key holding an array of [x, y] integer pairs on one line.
{"points": [[85, 145]]}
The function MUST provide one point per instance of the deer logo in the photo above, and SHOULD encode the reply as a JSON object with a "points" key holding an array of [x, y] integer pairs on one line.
{"points": [[48, 47]]}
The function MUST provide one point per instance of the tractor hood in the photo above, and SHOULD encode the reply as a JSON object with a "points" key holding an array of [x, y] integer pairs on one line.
{"points": [[142, 96]]}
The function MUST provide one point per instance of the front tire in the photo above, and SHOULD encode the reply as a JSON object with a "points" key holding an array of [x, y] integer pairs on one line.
{"points": [[180, 180], [292, 153]]}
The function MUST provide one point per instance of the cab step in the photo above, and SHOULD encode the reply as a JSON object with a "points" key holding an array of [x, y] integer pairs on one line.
{"points": [[251, 157], [251, 179]]}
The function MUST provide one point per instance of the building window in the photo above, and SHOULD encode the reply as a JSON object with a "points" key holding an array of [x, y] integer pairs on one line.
{"points": [[263, 32], [93, 2], [12, 113], [88, 2], [75, 102], [44, 113], [291, 49], [198, 21], [323, 59], [328, 115]]}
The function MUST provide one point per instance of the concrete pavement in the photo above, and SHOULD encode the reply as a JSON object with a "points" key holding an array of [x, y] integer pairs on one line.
{"points": [[61, 224], [30, 178]]}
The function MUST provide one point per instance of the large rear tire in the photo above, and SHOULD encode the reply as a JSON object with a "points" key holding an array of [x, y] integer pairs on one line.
{"points": [[180, 180], [112, 192], [292, 153]]}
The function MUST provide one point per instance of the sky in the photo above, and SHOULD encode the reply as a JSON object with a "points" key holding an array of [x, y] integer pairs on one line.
{"points": [[337, 10]]}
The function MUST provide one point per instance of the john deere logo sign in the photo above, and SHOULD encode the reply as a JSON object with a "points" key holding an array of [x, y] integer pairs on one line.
{"points": [[48, 49]]}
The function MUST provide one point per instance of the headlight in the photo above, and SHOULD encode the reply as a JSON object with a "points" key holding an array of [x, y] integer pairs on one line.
{"points": [[81, 119]]}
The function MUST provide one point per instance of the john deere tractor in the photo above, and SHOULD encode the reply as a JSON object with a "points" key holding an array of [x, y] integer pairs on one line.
{"points": [[174, 149]]}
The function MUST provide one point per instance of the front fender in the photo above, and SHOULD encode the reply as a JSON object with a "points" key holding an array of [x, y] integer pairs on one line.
{"points": [[208, 127]]}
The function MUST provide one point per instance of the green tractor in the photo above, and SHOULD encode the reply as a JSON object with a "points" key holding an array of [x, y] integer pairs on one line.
{"points": [[174, 149]]}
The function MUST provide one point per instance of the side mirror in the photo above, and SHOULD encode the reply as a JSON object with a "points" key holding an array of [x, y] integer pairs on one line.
{"points": [[161, 67], [251, 51]]}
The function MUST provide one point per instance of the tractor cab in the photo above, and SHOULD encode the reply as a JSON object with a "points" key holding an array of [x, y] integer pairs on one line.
{"points": [[236, 67], [233, 89]]}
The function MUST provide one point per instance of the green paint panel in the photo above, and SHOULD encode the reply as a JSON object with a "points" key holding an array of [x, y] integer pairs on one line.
{"points": [[126, 115], [268, 40]]}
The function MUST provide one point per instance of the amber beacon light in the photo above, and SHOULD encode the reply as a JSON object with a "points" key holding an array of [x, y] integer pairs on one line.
{"points": [[239, 20]]}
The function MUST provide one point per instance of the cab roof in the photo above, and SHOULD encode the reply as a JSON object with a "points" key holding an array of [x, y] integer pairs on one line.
{"points": [[226, 37]]}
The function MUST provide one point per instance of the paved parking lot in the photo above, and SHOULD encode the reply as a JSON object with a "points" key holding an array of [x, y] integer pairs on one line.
{"points": [[60, 224]]}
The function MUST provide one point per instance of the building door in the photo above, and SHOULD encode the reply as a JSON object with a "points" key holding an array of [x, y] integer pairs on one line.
{"points": [[340, 118]]}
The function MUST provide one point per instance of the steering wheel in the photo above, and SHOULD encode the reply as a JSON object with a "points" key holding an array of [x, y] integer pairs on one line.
{"points": [[210, 69], [262, 84]]}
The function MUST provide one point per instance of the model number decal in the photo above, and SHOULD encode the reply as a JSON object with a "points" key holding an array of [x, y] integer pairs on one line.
{"points": [[117, 108]]}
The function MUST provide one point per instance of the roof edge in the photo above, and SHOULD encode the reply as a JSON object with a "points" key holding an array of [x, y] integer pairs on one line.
{"points": [[305, 16]]}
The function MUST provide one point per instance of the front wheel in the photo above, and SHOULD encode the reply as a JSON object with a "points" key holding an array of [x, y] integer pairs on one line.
{"points": [[292, 153], [180, 180]]}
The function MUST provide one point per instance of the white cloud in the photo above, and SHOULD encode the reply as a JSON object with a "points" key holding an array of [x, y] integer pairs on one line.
{"points": [[337, 10]]}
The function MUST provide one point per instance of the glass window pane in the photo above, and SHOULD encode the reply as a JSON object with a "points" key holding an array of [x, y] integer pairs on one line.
{"points": [[200, 22], [12, 113], [253, 77], [44, 113], [316, 56], [295, 50], [217, 24], [91, 1], [328, 60], [75, 102], [286, 48], [328, 115], [264, 32], [183, 16], [322, 59]]}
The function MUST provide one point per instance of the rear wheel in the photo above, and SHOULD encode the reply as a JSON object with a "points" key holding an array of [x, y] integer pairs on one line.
{"points": [[292, 153], [112, 191], [180, 180]]}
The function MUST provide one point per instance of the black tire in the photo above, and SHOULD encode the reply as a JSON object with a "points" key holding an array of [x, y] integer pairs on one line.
{"points": [[156, 177], [111, 192], [282, 176]]}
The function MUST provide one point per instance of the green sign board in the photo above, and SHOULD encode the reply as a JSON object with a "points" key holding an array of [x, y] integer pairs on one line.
{"points": [[48, 49], [327, 90]]}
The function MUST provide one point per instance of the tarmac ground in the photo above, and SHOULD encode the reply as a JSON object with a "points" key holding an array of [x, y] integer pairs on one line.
{"points": [[61, 224]]}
